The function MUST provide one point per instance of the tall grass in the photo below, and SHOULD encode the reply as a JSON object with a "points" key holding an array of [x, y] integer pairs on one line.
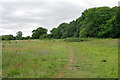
{"points": [[33, 58]]}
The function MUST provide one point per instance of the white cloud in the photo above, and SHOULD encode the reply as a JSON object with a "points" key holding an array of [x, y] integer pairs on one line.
{"points": [[19, 13]]}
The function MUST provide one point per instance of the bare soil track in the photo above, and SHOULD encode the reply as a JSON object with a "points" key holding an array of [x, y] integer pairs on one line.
{"points": [[71, 60]]}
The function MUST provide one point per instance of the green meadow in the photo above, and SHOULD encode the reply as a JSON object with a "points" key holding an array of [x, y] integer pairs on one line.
{"points": [[59, 58]]}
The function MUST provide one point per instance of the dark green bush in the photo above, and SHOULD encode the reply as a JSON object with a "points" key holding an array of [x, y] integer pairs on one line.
{"points": [[75, 39]]}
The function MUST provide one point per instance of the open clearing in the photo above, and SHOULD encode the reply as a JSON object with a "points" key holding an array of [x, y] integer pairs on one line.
{"points": [[96, 58]]}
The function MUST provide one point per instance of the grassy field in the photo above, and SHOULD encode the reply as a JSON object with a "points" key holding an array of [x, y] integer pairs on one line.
{"points": [[95, 58]]}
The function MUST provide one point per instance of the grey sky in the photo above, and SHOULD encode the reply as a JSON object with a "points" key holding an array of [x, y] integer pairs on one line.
{"points": [[20, 15]]}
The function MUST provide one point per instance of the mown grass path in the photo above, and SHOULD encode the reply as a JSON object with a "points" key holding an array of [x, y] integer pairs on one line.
{"points": [[68, 66], [72, 69]]}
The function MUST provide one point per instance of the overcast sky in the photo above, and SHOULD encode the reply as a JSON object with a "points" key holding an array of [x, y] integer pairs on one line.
{"points": [[20, 15]]}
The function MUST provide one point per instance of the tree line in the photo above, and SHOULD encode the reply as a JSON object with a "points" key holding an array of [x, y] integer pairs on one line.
{"points": [[99, 22]]}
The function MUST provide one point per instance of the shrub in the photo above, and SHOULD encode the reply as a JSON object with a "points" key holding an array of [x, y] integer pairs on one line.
{"points": [[75, 39], [7, 37]]}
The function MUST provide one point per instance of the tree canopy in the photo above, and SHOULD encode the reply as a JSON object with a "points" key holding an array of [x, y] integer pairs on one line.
{"points": [[19, 35], [38, 32], [100, 22]]}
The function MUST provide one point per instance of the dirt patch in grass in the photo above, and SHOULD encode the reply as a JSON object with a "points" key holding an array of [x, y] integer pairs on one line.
{"points": [[68, 66]]}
